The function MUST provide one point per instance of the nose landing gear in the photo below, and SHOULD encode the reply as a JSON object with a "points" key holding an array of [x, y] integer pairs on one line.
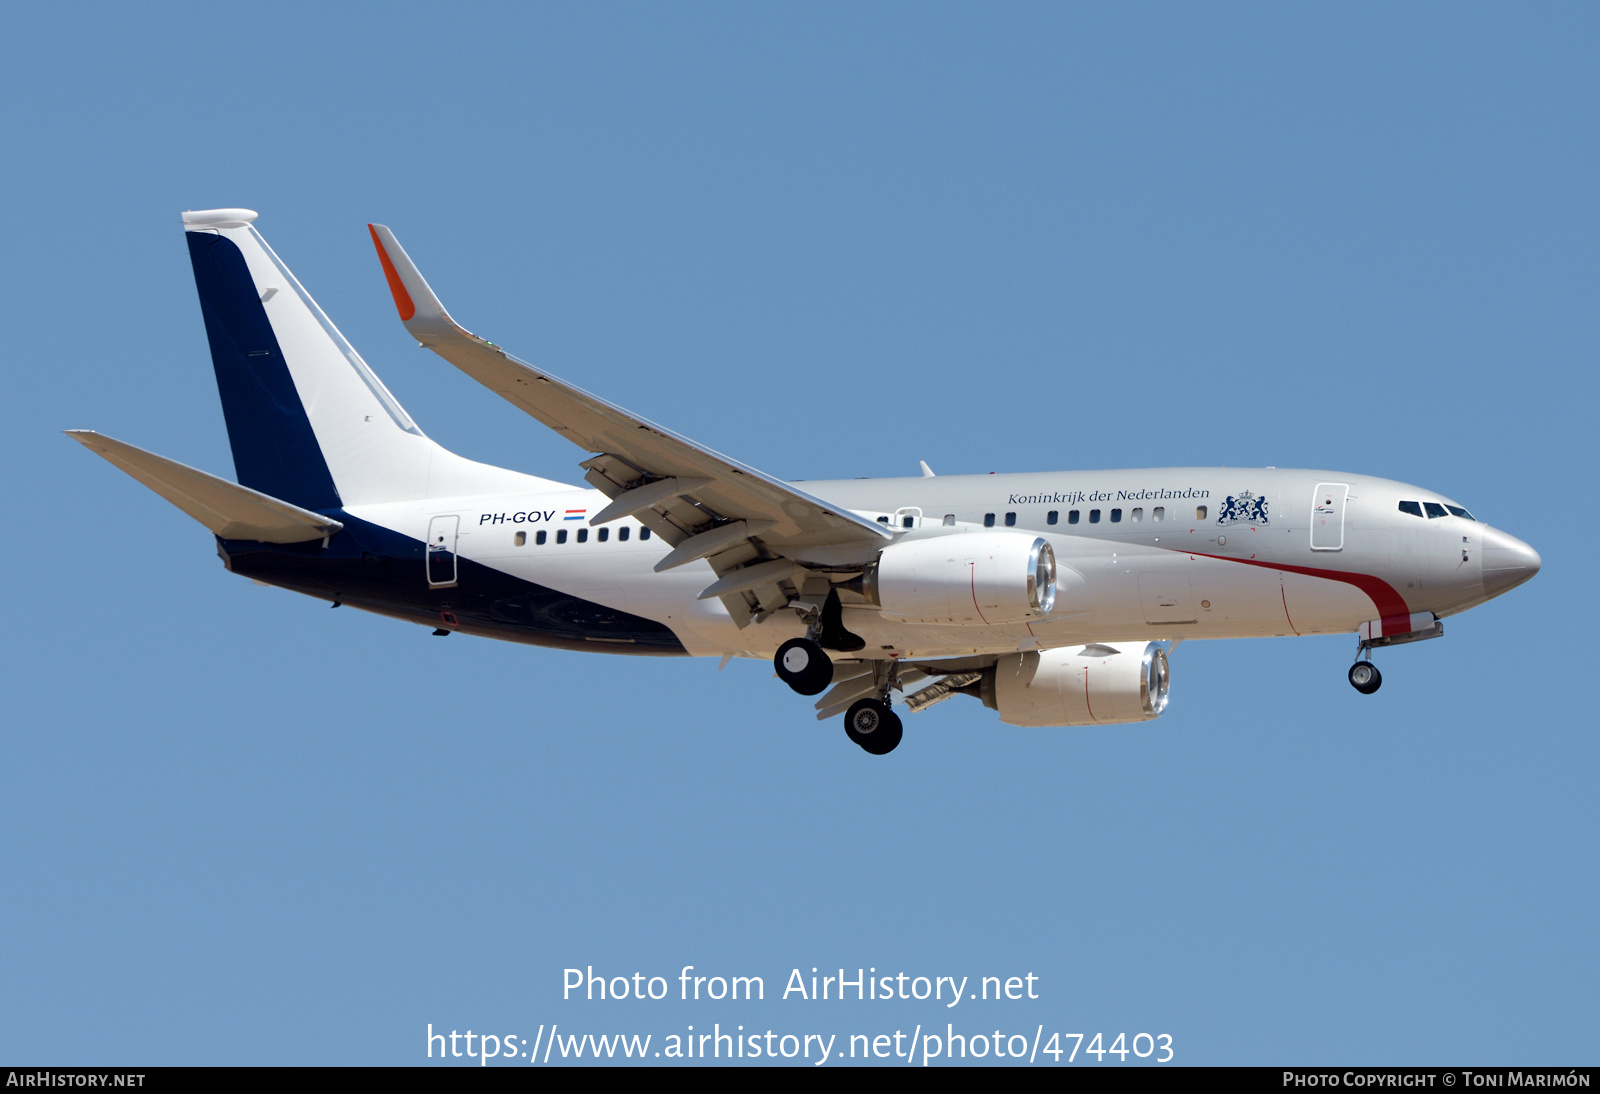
{"points": [[1365, 677]]}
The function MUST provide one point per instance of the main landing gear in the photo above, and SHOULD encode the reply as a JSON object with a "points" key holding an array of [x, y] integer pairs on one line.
{"points": [[801, 662], [872, 725], [804, 665]]}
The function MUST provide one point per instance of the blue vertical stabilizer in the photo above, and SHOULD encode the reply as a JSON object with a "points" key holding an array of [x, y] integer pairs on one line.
{"points": [[275, 449]]}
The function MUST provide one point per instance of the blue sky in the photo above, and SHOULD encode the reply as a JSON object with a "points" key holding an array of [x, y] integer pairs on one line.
{"points": [[830, 240]]}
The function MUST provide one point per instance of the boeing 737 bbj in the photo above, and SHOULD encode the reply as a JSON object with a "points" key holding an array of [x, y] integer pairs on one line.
{"points": [[1053, 597]]}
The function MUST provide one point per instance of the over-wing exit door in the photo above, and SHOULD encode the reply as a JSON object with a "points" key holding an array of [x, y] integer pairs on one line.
{"points": [[442, 551], [1327, 516]]}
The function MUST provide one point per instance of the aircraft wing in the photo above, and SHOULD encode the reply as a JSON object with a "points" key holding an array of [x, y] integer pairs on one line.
{"points": [[694, 498]]}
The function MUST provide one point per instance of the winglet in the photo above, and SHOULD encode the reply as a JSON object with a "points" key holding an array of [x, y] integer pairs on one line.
{"points": [[419, 308], [402, 299]]}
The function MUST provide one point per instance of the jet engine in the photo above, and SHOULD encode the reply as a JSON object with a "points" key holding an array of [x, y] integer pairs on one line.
{"points": [[1097, 684], [982, 578]]}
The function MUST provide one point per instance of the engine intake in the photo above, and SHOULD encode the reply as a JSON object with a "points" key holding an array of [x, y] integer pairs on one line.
{"points": [[983, 578]]}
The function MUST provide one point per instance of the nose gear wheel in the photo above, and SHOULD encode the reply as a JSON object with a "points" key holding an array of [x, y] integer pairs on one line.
{"points": [[1365, 677]]}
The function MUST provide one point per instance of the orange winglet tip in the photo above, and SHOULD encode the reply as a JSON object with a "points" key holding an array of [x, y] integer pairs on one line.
{"points": [[402, 299]]}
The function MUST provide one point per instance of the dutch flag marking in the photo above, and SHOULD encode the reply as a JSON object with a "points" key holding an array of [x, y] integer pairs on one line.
{"points": [[575, 514]]}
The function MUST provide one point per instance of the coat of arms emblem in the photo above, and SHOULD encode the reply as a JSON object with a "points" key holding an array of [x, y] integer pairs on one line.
{"points": [[1243, 508]]}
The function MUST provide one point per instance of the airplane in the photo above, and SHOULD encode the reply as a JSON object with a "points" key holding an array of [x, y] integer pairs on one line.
{"points": [[1054, 598]]}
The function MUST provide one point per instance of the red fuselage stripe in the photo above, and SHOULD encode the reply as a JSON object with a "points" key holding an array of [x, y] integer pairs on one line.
{"points": [[1392, 607]]}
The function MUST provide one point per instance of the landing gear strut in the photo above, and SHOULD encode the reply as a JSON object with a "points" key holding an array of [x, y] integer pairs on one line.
{"points": [[1365, 677]]}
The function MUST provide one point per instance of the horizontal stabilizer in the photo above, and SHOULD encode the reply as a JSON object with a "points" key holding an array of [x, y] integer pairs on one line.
{"points": [[228, 509]]}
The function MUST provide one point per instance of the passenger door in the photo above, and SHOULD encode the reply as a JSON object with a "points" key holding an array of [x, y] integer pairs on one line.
{"points": [[441, 562]]}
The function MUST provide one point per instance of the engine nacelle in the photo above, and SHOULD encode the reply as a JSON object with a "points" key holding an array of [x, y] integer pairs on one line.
{"points": [[1097, 684], [979, 577]]}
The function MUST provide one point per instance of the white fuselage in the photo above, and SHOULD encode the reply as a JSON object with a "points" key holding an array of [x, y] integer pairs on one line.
{"points": [[1160, 553]]}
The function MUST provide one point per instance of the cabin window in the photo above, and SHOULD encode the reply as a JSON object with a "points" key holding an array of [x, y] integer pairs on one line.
{"points": [[1094, 516], [1052, 516], [1072, 517], [1116, 515], [1011, 520], [907, 522], [1199, 512], [988, 520], [949, 520], [583, 535], [883, 520], [1456, 510], [1434, 509], [1412, 507], [644, 534], [520, 539], [622, 534], [1159, 513], [603, 534], [539, 538], [561, 535], [1136, 516]]}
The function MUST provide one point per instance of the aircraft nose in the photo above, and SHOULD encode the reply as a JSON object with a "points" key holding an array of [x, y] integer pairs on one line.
{"points": [[1507, 561]]}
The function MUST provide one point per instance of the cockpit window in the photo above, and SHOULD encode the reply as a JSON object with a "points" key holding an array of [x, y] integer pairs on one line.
{"points": [[1414, 508], [1434, 509], [1457, 511]]}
